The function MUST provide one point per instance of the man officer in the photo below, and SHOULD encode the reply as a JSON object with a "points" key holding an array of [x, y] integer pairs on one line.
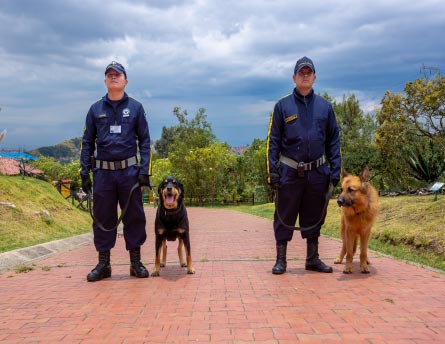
{"points": [[115, 127], [303, 137]]}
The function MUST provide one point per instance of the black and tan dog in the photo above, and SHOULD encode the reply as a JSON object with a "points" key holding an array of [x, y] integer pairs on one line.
{"points": [[172, 223]]}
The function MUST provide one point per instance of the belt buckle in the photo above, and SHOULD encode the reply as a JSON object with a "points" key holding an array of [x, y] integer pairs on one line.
{"points": [[300, 169], [118, 165]]}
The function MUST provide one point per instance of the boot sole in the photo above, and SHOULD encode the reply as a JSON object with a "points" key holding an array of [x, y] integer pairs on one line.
{"points": [[106, 275], [319, 270], [279, 272], [133, 273]]}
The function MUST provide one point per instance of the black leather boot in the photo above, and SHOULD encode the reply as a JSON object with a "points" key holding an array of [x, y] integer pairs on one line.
{"points": [[102, 269], [314, 263], [281, 263], [136, 267]]}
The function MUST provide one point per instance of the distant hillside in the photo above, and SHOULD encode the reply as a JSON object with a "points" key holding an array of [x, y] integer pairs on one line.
{"points": [[69, 150], [239, 150], [66, 151]]}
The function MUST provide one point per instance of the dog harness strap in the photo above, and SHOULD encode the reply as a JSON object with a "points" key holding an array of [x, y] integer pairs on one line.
{"points": [[116, 165], [302, 166]]}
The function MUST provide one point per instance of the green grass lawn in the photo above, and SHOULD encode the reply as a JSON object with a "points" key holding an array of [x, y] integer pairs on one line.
{"points": [[33, 212]]}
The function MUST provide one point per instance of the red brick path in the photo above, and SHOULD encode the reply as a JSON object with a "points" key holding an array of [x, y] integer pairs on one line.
{"points": [[232, 298]]}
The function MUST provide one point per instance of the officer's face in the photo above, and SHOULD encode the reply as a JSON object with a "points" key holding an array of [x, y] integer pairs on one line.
{"points": [[115, 81], [304, 79]]}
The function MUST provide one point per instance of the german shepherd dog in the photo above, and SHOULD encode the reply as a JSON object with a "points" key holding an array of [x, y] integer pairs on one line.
{"points": [[172, 223], [360, 206]]}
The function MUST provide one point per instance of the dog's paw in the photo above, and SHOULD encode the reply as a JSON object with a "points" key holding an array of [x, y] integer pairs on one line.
{"points": [[338, 260], [155, 274], [348, 269], [190, 271], [162, 265], [183, 265], [364, 269]]}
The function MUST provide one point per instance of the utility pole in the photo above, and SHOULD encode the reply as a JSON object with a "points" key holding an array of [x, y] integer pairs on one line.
{"points": [[432, 70]]}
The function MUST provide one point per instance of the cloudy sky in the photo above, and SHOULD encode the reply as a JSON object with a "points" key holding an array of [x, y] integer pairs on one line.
{"points": [[234, 58]]}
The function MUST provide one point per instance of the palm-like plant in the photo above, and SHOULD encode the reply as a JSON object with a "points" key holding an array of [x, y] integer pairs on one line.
{"points": [[428, 165]]}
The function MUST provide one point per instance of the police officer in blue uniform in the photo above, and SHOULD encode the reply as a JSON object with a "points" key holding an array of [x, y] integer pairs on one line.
{"points": [[303, 139], [115, 128]]}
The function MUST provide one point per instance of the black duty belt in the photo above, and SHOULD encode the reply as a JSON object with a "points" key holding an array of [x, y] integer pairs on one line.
{"points": [[115, 165], [302, 166]]}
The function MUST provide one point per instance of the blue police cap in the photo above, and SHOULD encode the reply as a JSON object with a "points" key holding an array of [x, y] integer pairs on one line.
{"points": [[304, 62], [117, 67]]}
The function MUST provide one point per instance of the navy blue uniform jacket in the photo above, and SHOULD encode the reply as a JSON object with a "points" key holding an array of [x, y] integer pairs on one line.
{"points": [[130, 116], [303, 128]]}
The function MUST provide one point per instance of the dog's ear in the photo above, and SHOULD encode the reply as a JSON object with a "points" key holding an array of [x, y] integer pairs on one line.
{"points": [[181, 186], [344, 173], [160, 188], [364, 175]]}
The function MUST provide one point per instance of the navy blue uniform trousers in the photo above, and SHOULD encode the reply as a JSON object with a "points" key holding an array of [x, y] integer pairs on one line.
{"points": [[110, 189], [302, 197]]}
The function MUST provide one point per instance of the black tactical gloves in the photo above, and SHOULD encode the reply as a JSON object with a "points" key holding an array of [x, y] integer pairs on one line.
{"points": [[86, 183], [144, 180]]}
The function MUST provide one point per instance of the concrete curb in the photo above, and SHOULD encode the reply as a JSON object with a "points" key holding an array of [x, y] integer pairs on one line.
{"points": [[9, 260]]}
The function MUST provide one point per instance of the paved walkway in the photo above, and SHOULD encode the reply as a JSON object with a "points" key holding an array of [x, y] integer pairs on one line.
{"points": [[232, 298]]}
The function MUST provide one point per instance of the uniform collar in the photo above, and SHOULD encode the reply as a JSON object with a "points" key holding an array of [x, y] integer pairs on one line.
{"points": [[107, 100], [302, 98]]}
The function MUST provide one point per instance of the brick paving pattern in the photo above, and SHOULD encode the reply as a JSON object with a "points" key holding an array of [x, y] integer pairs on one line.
{"points": [[232, 298]]}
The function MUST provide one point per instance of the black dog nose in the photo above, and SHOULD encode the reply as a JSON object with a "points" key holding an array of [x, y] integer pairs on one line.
{"points": [[340, 201]]}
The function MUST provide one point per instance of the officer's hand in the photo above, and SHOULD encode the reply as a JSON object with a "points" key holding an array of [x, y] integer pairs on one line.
{"points": [[86, 183], [273, 179], [144, 180], [275, 186]]}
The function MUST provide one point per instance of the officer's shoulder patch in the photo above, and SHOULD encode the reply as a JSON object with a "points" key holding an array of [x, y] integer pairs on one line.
{"points": [[290, 118]]}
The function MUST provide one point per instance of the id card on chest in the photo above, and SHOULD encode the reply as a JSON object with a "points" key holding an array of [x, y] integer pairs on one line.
{"points": [[115, 129]]}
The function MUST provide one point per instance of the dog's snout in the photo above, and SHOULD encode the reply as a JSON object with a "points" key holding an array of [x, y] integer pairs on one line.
{"points": [[340, 201], [169, 187], [344, 202]]}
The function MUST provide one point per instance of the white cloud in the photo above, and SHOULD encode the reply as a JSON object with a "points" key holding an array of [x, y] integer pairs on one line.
{"points": [[234, 58]]}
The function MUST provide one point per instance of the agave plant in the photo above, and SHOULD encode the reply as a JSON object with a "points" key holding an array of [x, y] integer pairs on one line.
{"points": [[428, 165]]}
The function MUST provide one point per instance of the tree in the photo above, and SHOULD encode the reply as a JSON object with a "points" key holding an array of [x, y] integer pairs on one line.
{"points": [[206, 170], [254, 167], [50, 167], [161, 168], [196, 132], [167, 138], [424, 106], [71, 171], [54, 170], [357, 132], [205, 166], [405, 121]]}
